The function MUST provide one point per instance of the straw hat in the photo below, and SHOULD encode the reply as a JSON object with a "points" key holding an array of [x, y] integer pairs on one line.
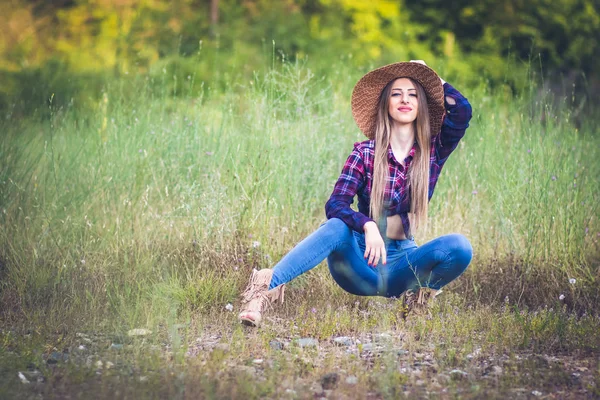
{"points": [[365, 96]]}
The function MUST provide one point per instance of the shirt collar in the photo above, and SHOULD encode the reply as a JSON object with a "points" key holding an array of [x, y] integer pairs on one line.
{"points": [[408, 158]]}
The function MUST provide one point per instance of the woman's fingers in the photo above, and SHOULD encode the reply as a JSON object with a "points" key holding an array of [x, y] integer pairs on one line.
{"points": [[383, 256]]}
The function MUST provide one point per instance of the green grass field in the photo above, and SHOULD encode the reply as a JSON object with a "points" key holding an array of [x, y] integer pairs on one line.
{"points": [[151, 209]]}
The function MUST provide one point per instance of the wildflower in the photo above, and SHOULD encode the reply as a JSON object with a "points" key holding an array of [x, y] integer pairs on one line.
{"points": [[313, 310], [528, 151], [474, 192], [229, 307], [82, 262], [572, 281], [256, 244], [561, 297], [553, 178]]}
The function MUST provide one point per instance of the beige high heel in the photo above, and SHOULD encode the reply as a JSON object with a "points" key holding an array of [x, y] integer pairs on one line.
{"points": [[257, 296], [419, 302]]}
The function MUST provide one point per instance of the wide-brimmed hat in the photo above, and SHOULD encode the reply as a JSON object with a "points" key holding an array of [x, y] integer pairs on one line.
{"points": [[365, 96]]}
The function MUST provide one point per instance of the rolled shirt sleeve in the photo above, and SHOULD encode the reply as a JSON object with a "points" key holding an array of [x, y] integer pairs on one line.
{"points": [[456, 122], [351, 180]]}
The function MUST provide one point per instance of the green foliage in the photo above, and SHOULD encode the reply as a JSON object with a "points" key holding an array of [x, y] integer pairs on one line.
{"points": [[468, 40]]}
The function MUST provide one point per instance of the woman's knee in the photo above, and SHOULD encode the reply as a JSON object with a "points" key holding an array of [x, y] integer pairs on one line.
{"points": [[460, 248], [336, 228]]}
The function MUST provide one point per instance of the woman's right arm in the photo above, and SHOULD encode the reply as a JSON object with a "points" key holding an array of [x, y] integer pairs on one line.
{"points": [[352, 178]]}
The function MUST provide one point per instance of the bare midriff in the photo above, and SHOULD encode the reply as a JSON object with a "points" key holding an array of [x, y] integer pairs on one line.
{"points": [[395, 230]]}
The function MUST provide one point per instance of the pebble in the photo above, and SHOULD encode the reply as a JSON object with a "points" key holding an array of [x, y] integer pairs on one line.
{"points": [[351, 380], [276, 345], [55, 357], [382, 338], [343, 341], [307, 342], [443, 379], [257, 361], [247, 369], [224, 347], [536, 393], [496, 370], [116, 346], [139, 332], [458, 374], [330, 380], [23, 378]]}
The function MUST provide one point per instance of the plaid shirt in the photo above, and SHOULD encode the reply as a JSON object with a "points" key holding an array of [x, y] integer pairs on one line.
{"points": [[357, 174]]}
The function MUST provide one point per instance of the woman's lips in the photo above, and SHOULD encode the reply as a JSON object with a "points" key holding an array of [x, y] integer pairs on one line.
{"points": [[404, 109]]}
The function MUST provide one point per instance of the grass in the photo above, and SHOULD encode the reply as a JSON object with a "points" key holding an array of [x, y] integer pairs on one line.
{"points": [[152, 209]]}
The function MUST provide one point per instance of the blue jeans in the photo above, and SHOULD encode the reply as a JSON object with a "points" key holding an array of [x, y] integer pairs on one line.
{"points": [[409, 266]]}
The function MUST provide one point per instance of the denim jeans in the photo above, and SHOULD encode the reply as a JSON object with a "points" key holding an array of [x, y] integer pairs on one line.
{"points": [[408, 266]]}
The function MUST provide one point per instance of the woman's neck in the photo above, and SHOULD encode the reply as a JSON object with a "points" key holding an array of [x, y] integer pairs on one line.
{"points": [[402, 138]]}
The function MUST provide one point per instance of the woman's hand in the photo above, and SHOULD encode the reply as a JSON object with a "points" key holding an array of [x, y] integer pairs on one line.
{"points": [[449, 99], [375, 246], [423, 62]]}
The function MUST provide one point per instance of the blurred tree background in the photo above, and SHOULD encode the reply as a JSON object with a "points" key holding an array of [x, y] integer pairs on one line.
{"points": [[64, 51]]}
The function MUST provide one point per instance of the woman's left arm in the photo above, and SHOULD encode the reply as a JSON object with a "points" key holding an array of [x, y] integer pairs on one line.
{"points": [[456, 121]]}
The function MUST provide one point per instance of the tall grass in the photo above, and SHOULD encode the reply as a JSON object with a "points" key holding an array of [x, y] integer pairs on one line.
{"points": [[162, 200]]}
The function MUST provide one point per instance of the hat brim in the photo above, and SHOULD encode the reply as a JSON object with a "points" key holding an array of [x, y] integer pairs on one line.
{"points": [[365, 96]]}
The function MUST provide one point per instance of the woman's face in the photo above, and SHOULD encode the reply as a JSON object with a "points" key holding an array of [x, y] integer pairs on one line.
{"points": [[403, 104]]}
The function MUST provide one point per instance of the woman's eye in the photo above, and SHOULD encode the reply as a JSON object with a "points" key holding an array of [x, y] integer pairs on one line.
{"points": [[413, 95]]}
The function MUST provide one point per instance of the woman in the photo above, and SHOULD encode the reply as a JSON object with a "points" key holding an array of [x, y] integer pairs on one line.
{"points": [[413, 120]]}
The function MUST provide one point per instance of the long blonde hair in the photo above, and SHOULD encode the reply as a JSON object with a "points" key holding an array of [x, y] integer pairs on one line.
{"points": [[418, 172]]}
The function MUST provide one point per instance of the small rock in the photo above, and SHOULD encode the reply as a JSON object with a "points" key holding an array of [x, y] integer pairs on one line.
{"points": [[99, 364], [316, 388], [23, 378], [420, 382], [307, 342], [139, 332], [116, 346], [81, 347], [367, 347], [443, 379], [496, 370], [351, 380], [55, 357], [329, 381], [458, 374], [109, 365], [143, 378], [402, 352], [257, 361], [224, 347], [536, 393], [343, 341], [382, 338], [276, 345], [247, 369]]}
